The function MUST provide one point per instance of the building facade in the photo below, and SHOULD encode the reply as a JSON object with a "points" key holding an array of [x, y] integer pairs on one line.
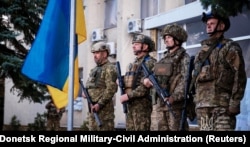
{"points": [[116, 21]]}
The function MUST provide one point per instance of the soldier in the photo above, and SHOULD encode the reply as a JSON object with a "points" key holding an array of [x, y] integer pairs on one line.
{"points": [[54, 116], [101, 86], [219, 77], [137, 95], [170, 72]]}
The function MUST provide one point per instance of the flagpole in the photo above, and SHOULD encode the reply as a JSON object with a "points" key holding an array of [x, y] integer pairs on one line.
{"points": [[71, 64]]}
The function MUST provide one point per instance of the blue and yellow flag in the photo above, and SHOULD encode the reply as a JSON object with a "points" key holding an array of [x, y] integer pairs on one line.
{"points": [[48, 59]]}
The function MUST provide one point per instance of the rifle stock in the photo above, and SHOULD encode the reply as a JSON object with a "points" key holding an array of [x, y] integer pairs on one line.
{"points": [[188, 95], [121, 85], [161, 92], [97, 119]]}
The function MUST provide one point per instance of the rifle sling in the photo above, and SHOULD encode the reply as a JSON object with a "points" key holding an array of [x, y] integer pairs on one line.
{"points": [[197, 71], [138, 72]]}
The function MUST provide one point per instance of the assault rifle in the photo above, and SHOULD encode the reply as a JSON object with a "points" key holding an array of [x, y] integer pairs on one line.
{"points": [[97, 119], [188, 95], [162, 93], [121, 85]]}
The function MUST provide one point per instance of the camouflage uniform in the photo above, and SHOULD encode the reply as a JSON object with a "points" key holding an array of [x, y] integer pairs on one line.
{"points": [[54, 116], [220, 84], [139, 104], [102, 86], [170, 73]]}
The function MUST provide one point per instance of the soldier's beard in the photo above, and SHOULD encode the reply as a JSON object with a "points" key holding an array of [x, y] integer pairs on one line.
{"points": [[101, 60], [98, 61], [137, 52]]}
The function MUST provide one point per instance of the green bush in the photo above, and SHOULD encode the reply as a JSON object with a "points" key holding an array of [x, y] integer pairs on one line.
{"points": [[14, 123], [39, 123]]}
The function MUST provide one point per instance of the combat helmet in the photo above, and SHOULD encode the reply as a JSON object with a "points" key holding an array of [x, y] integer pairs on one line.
{"points": [[144, 39], [100, 46], [213, 14], [175, 31]]}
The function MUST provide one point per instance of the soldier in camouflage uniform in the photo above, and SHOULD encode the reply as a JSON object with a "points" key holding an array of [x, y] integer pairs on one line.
{"points": [[54, 116], [221, 79], [170, 72], [137, 95], [101, 86]]}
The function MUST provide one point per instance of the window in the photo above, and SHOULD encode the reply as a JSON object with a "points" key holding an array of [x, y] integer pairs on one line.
{"points": [[110, 14], [245, 45], [242, 20], [189, 1], [148, 8], [196, 33]]}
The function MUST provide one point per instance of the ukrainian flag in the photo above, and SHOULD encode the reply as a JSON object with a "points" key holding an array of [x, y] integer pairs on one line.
{"points": [[48, 59]]}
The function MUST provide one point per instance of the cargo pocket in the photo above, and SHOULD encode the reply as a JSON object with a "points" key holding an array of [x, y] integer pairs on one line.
{"points": [[205, 74], [225, 80], [164, 69]]}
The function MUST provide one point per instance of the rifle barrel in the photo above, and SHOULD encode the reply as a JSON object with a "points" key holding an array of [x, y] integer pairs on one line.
{"points": [[121, 85], [161, 92], [97, 119]]}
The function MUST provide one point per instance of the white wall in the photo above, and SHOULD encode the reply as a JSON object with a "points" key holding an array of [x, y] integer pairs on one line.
{"points": [[24, 110]]}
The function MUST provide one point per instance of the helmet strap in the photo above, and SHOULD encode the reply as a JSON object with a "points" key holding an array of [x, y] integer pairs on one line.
{"points": [[215, 30], [140, 51]]}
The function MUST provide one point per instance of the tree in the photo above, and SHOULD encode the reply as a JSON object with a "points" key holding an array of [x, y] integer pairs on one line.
{"points": [[226, 8], [20, 21]]}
